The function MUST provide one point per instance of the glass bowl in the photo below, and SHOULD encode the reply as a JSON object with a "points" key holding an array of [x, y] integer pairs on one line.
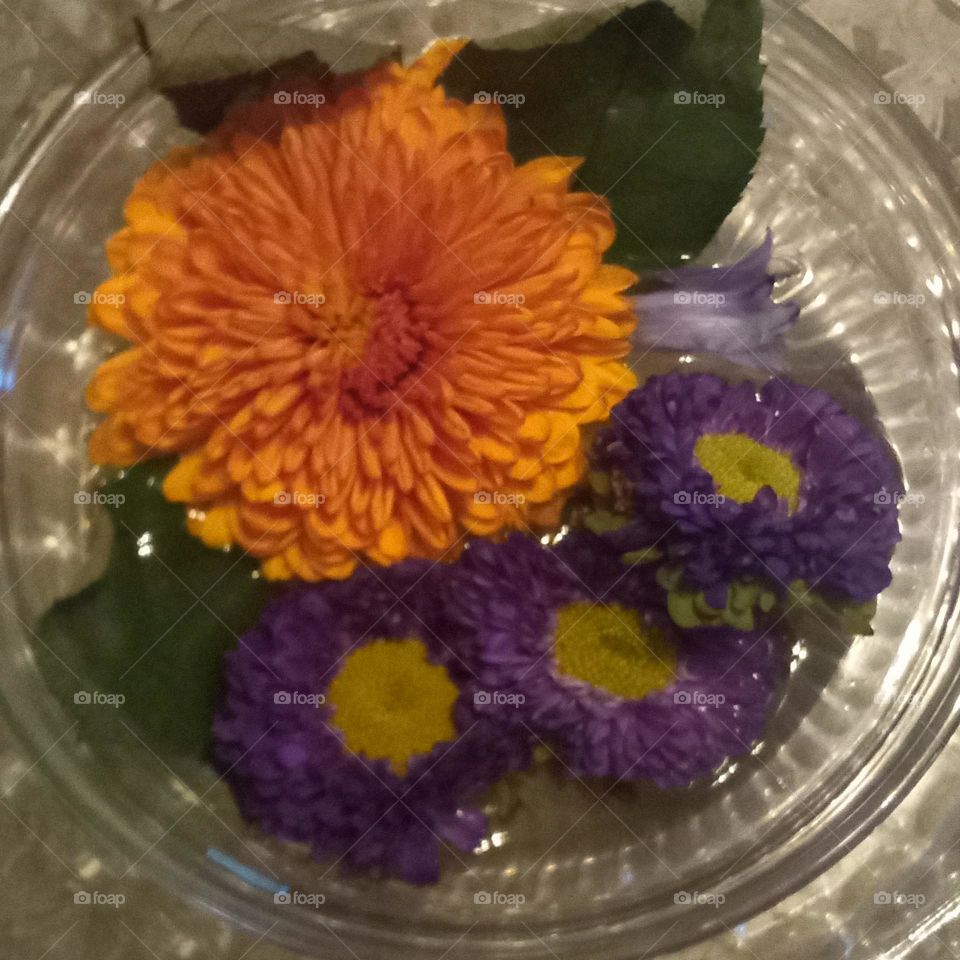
{"points": [[859, 202]]}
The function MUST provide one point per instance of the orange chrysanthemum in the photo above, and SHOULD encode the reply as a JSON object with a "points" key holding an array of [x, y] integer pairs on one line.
{"points": [[366, 330]]}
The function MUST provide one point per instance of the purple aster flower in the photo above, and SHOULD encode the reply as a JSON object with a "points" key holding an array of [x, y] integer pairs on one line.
{"points": [[349, 725], [728, 311], [613, 685], [730, 482]]}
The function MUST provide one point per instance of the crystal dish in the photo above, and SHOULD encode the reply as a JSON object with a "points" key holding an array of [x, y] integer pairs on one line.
{"points": [[864, 229]]}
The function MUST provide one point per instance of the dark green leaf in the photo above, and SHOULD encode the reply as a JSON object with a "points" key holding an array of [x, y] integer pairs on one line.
{"points": [[201, 105], [845, 617], [668, 118], [154, 627]]}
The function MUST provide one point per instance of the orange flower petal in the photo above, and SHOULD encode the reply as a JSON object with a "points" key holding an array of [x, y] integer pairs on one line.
{"points": [[350, 320]]}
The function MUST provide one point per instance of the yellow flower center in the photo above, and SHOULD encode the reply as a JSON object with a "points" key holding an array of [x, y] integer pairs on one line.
{"points": [[611, 648], [741, 467], [391, 703]]}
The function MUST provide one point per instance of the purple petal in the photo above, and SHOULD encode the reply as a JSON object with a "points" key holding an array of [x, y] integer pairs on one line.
{"points": [[728, 311]]}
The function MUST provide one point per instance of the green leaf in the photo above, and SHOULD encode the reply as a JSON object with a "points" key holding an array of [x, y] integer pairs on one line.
{"points": [[669, 119], [203, 61], [154, 627], [186, 46], [690, 11], [201, 105], [565, 26], [689, 608], [844, 617]]}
